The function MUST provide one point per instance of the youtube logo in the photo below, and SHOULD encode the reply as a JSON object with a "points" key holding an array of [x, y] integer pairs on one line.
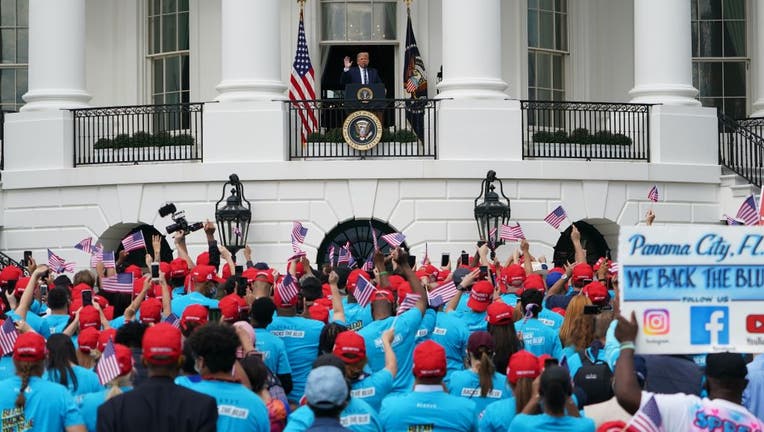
{"points": [[754, 323]]}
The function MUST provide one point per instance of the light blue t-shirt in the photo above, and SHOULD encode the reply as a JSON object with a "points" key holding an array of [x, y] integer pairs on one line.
{"points": [[510, 299], [356, 316], [539, 339], [575, 361], [427, 409], [551, 319], [90, 404], [452, 334], [475, 321], [179, 304], [358, 416], [57, 323], [466, 384], [547, 423], [239, 409], [406, 326], [426, 327], [87, 381], [274, 352], [49, 406], [498, 415], [373, 388], [300, 336], [7, 369], [40, 325]]}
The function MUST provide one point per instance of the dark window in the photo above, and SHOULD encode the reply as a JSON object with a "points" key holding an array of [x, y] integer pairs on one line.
{"points": [[358, 233]]}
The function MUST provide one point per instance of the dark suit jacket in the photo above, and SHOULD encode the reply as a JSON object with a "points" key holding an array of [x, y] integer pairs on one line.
{"points": [[353, 76], [160, 405]]}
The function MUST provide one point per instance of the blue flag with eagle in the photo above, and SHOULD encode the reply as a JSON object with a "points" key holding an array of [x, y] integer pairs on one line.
{"points": [[414, 82]]}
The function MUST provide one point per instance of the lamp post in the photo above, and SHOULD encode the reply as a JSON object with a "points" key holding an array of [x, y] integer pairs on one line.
{"points": [[491, 213], [233, 217]]}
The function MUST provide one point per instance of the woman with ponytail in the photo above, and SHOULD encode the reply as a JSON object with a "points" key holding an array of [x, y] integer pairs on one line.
{"points": [[117, 386], [551, 395], [538, 338], [62, 368], [31, 403], [501, 325], [522, 368], [480, 383]]}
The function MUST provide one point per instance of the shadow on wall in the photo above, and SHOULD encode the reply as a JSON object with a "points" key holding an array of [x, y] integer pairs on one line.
{"points": [[111, 239], [599, 237]]}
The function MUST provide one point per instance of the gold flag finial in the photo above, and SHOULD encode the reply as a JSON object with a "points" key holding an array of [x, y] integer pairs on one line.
{"points": [[301, 3], [408, 3]]}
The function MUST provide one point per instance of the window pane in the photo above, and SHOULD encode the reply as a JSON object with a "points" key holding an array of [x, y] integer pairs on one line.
{"points": [[734, 79], [183, 31], [359, 21], [333, 21], [710, 9], [169, 6], [711, 39], [533, 29], [169, 33], [735, 107], [172, 74], [384, 21], [561, 5], [184, 73], [710, 79], [546, 5], [532, 94], [712, 102], [557, 72], [22, 13], [544, 75], [8, 45], [158, 76], [183, 6], [734, 9], [695, 52], [156, 35], [8, 85], [734, 38], [694, 10], [155, 6], [533, 4], [544, 95], [561, 32], [546, 27], [22, 46], [531, 69], [7, 13], [21, 85]]}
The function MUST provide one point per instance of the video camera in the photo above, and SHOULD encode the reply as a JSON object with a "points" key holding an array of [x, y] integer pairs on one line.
{"points": [[179, 219]]}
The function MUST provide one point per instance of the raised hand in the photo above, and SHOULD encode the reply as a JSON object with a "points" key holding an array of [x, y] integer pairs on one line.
{"points": [[347, 62]]}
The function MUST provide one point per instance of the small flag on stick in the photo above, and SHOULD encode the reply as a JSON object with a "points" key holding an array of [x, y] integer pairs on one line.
{"points": [[556, 217], [653, 194], [134, 241], [108, 367]]}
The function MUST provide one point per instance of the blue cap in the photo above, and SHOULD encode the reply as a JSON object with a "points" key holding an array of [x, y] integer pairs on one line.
{"points": [[326, 388], [552, 278]]}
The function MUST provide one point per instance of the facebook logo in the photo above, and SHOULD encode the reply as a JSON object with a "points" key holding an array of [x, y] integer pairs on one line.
{"points": [[709, 325]]}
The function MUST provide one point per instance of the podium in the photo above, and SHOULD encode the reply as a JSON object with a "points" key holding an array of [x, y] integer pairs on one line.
{"points": [[369, 97]]}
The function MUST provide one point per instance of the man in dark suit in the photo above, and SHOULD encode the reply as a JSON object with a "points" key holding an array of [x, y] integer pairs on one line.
{"points": [[158, 404], [361, 74]]}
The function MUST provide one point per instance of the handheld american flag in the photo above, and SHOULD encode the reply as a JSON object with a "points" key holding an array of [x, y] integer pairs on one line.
{"points": [[108, 260], [134, 241], [57, 264], [747, 212], [368, 265], [298, 235], [85, 245], [409, 302], [647, 419], [119, 283], [173, 320], [508, 232], [302, 85], [653, 194], [394, 239], [363, 291], [8, 336], [287, 288], [732, 221], [97, 256], [374, 236], [345, 256], [441, 294], [331, 255], [556, 217], [108, 367]]}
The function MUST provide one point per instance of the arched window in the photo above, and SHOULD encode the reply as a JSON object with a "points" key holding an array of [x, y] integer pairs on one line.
{"points": [[358, 233], [591, 239]]}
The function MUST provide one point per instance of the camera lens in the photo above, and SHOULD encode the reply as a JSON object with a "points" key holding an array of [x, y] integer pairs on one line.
{"points": [[167, 209], [172, 228]]}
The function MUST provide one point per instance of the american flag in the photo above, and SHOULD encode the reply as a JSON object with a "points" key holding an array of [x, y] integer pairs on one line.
{"points": [[108, 367], [374, 237], [442, 294], [394, 239], [8, 335], [614, 267], [492, 235], [134, 241], [409, 302], [97, 256], [363, 291], [368, 265], [85, 245], [287, 288], [298, 235], [653, 194], [732, 221], [508, 232], [237, 231], [556, 217], [302, 85], [331, 255], [426, 254], [58, 265], [297, 254], [345, 256], [108, 260], [647, 419], [119, 283], [173, 320], [747, 212]]}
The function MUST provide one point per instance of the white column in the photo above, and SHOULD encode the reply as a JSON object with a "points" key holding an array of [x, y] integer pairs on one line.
{"points": [[251, 51], [472, 50], [56, 55], [663, 53], [758, 106]]}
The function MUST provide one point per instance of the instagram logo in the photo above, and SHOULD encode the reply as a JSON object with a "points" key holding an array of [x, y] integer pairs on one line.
{"points": [[656, 322]]}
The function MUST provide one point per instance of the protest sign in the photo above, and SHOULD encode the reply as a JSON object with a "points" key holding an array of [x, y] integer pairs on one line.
{"points": [[695, 288]]}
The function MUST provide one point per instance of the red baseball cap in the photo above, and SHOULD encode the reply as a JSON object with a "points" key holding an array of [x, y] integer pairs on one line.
{"points": [[87, 340], [101, 300], [499, 313], [429, 271], [582, 274], [319, 312], [10, 273], [137, 286], [522, 364], [404, 289], [265, 275], [596, 291], [250, 274], [89, 317], [395, 281], [29, 347], [178, 268], [230, 307], [77, 290], [203, 259], [162, 344], [21, 285], [353, 278], [480, 296], [135, 270], [350, 347], [204, 273], [151, 311], [281, 303], [383, 295], [194, 313], [512, 276], [534, 281], [443, 274], [124, 359], [429, 360], [103, 338]]}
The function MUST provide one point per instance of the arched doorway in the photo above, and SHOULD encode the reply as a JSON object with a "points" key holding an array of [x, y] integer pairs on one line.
{"points": [[111, 240], [592, 240], [358, 233]]}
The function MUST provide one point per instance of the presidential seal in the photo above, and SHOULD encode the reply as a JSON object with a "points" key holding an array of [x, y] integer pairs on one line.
{"points": [[362, 130], [364, 94]]}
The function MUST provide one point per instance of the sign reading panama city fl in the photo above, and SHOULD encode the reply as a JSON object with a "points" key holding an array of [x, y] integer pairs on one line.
{"points": [[695, 288]]}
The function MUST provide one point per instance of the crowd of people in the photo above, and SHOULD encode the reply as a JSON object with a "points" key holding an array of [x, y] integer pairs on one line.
{"points": [[513, 346]]}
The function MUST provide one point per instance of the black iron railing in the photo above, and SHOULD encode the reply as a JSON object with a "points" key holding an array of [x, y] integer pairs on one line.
{"points": [[409, 129], [585, 130], [5, 261], [741, 147], [136, 134]]}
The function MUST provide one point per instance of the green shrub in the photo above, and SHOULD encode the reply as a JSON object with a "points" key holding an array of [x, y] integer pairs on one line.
{"points": [[103, 143], [405, 136], [183, 140], [580, 135]]}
